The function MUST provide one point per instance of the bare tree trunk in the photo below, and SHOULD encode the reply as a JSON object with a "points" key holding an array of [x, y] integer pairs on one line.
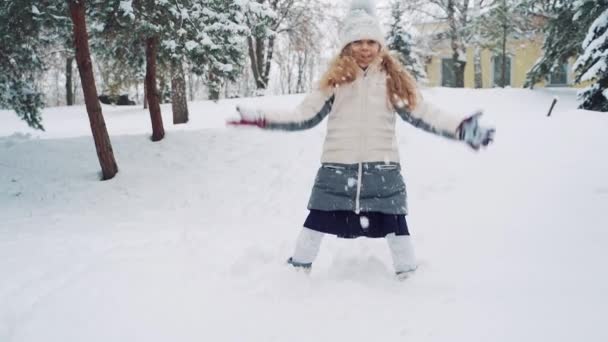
{"points": [[57, 91], [158, 131], [504, 56], [457, 48], [302, 60], [145, 94], [256, 55], [69, 87], [477, 66], [245, 86], [83, 59], [136, 92], [191, 86], [269, 54], [261, 60], [179, 102], [477, 53], [214, 86], [254, 61], [286, 86]]}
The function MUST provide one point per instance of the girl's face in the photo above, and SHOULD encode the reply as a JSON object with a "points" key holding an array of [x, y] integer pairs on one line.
{"points": [[365, 51]]}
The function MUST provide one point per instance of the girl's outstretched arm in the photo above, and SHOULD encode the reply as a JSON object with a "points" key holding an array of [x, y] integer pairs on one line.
{"points": [[432, 119], [436, 121], [309, 113]]}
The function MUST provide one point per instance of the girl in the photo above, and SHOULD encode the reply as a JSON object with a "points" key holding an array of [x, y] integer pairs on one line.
{"points": [[359, 190]]}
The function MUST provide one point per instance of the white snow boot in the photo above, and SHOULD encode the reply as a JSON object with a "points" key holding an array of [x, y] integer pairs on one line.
{"points": [[402, 252], [307, 248]]}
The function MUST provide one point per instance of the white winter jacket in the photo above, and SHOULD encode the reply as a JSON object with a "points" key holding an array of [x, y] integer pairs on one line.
{"points": [[361, 121]]}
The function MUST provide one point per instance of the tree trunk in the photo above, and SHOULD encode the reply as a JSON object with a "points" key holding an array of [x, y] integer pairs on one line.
{"points": [[302, 61], [191, 86], [259, 58], [145, 95], [457, 62], [179, 102], [158, 131], [69, 87], [214, 87], [477, 67], [260, 64], [136, 92], [477, 51], [83, 59], [57, 97], [268, 62], [504, 56], [253, 60]]}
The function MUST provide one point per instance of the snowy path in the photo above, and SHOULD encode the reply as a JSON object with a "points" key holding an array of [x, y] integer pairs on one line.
{"points": [[188, 243]]}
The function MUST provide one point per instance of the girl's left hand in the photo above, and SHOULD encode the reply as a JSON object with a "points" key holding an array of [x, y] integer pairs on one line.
{"points": [[474, 135]]}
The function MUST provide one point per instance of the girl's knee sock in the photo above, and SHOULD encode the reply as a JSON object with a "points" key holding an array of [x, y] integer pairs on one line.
{"points": [[402, 252], [307, 247]]}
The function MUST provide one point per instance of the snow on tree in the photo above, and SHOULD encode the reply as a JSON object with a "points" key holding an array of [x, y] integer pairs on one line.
{"points": [[28, 28], [592, 64], [266, 19], [457, 16], [562, 39], [261, 19], [26, 31], [501, 22], [206, 35], [118, 47], [399, 40], [214, 40], [298, 51]]}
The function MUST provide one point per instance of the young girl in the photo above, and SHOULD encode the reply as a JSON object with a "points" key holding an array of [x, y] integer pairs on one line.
{"points": [[359, 190]]}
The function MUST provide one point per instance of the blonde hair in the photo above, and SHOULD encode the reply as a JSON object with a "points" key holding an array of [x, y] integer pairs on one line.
{"points": [[401, 86]]}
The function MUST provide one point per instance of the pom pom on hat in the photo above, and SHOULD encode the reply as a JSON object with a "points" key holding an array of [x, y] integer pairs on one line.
{"points": [[361, 23], [368, 6]]}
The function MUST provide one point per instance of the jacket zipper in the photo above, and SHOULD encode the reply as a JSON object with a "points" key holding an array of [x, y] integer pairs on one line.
{"points": [[359, 176], [358, 199]]}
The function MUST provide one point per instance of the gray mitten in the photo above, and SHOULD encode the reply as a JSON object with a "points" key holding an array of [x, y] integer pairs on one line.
{"points": [[473, 134]]}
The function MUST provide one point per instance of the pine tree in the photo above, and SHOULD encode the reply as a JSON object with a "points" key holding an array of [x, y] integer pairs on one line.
{"points": [[119, 48], [132, 35], [215, 42], [208, 35], [400, 41], [592, 65], [27, 28], [26, 31], [562, 40]]}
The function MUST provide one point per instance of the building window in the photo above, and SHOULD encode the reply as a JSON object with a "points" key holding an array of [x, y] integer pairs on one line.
{"points": [[559, 76], [448, 73], [497, 69]]}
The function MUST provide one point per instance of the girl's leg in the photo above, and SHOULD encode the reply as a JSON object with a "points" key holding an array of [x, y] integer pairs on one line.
{"points": [[402, 251], [307, 248]]}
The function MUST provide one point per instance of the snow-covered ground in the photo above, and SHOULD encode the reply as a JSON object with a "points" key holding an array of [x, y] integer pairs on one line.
{"points": [[189, 241]]}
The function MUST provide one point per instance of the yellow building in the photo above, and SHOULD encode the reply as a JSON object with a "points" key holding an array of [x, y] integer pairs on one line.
{"points": [[522, 54]]}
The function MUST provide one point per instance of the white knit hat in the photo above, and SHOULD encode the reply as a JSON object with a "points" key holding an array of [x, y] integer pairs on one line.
{"points": [[361, 23]]}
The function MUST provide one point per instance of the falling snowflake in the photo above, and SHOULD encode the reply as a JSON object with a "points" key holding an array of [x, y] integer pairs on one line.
{"points": [[364, 222]]}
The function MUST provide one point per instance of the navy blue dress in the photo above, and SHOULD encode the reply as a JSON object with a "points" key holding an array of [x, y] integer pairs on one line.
{"points": [[348, 224]]}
